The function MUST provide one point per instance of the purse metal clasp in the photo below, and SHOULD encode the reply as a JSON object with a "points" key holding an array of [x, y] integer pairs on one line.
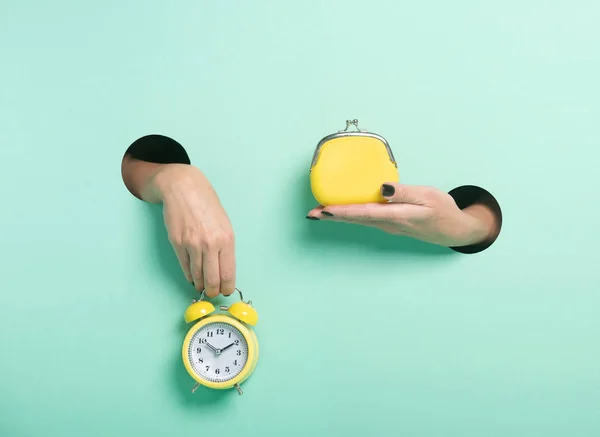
{"points": [[351, 123], [346, 133]]}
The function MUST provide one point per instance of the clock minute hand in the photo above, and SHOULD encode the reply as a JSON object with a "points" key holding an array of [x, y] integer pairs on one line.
{"points": [[227, 347]]}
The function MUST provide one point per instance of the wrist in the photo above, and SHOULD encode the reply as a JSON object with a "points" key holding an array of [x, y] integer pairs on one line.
{"points": [[485, 226]]}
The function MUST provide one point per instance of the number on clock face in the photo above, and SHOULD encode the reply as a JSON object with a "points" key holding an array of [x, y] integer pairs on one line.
{"points": [[218, 352]]}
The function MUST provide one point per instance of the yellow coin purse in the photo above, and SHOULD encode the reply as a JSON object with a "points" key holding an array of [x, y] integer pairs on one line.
{"points": [[220, 351], [349, 167]]}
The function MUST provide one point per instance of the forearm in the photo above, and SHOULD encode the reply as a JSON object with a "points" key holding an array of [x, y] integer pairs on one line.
{"points": [[140, 178], [154, 182], [488, 219], [480, 205]]}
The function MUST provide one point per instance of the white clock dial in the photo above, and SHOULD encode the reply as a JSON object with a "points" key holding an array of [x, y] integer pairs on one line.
{"points": [[218, 352]]}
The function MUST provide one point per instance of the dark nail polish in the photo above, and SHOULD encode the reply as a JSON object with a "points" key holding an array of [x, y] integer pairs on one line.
{"points": [[312, 218], [327, 213], [388, 190]]}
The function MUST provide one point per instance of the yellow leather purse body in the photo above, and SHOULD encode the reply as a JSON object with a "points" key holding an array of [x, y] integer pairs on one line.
{"points": [[349, 167]]}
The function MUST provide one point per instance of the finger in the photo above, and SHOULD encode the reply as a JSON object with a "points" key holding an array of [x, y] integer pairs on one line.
{"points": [[227, 270], [315, 213], [196, 269], [368, 223], [378, 212], [385, 226], [400, 193], [212, 281], [363, 213], [184, 261]]}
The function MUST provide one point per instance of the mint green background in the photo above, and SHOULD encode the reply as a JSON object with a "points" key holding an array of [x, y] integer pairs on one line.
{"points": [[360, 332]]}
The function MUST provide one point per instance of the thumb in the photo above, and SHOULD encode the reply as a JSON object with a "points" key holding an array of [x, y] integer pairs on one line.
{"points": [[400, 193]]}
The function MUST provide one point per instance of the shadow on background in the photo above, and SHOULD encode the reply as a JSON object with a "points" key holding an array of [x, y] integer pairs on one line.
{"points": [[166, 257], [343, 235]]}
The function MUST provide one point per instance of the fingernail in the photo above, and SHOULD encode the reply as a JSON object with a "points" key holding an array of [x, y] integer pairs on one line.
{"points": [[388, 190], [327, 213], [312, 218]]}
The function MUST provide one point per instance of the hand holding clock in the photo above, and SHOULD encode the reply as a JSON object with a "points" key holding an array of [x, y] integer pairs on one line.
{"points": [[197, 225]]}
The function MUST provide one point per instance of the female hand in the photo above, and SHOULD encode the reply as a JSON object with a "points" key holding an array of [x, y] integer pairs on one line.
{"points": [[423, 213], [198, 228]]}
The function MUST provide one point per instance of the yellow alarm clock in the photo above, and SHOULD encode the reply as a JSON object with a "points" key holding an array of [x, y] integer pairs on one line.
{"points": [[220, 351], [351, 166]]}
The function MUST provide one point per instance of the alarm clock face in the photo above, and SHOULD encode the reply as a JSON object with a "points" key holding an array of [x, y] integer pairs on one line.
{"points": [[218, 352]]}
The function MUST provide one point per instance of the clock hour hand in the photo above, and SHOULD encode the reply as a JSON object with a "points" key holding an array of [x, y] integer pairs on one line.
{"points": [[210, 346]]}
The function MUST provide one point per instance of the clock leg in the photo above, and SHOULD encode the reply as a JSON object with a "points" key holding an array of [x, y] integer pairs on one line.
{"points": [[239, 389], [195, 387]]}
